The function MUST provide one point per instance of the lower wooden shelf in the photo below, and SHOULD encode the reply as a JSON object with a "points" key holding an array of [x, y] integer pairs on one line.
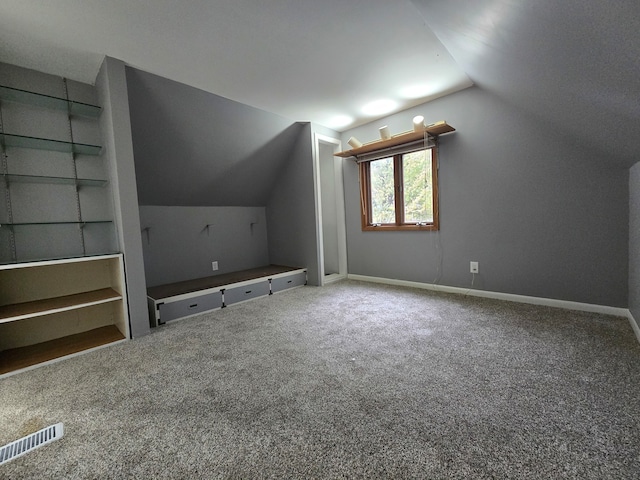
{"points": [[23, 357]]}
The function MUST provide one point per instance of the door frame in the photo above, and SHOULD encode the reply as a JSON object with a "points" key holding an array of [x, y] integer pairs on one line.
{"points": [[340, 208]]}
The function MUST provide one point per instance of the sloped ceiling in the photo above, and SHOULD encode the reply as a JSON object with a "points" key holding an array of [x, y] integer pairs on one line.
{"points": [[575, 64], [193, 148], [308, 60]]}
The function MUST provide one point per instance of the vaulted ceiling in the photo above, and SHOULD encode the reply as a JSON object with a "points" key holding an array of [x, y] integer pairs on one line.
{"points": [[573, 64]]}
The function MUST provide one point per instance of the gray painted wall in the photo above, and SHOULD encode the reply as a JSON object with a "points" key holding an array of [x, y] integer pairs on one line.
{"points": [[194, 148], [322, 130], [291, 220], [542, 215], [225, 162], [118, 151], [178, 245], [634, 241]]}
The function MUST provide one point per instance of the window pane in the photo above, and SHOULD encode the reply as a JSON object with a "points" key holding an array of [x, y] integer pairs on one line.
{"points": [[382, 191], [417, 187]]}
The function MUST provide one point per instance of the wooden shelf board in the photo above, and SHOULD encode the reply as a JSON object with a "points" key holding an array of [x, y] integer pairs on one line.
{"points": [[19, 311], [23, 357], [435, 129]]}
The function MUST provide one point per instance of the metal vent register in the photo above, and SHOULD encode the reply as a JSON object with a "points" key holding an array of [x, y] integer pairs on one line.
{"points": [[30, 442]]}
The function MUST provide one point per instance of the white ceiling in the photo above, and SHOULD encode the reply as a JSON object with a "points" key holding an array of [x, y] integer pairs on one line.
{"points": [[572, 64], [308, 60]]}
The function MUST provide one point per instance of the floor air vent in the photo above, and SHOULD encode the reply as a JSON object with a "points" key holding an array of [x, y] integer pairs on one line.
{"points": [[30, 442]]}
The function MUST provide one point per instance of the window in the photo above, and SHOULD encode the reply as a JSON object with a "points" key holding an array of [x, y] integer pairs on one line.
{"points": [[400, 192]]}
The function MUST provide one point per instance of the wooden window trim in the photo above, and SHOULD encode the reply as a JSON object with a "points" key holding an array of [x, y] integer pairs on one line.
{"points": [[365, 199]]}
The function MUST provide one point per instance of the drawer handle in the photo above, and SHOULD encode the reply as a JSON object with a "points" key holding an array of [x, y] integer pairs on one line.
{"points": [[289, 281], [193, 306], [248, 291]]}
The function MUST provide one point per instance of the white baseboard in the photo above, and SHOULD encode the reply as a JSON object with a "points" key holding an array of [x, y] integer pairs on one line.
{"points": [[334, 277], [549, 302], [634, 325]]}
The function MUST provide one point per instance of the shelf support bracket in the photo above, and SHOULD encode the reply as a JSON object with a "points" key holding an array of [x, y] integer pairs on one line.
{"points": [[147, 234]]}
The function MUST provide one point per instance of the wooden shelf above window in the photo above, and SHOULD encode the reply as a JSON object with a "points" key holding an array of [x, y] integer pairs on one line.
{"points": [[434, 130]]}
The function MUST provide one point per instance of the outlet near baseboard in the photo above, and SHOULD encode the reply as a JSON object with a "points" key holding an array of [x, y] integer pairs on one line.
{"points": [[214, 266], [474, 267]]}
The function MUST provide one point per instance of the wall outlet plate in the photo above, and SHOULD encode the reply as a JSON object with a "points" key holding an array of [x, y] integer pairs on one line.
{"points": [[214, 266], [474, 267]]}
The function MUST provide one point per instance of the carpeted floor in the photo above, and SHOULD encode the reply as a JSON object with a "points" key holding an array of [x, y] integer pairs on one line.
{"points": [[352, 380]]}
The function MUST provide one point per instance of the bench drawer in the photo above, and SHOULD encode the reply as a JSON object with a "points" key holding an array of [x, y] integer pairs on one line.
{"points": [[246, 292], [290, 281], [190, 306]]}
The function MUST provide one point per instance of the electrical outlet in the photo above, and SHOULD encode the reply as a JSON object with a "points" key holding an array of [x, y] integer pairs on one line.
{"points": [[214, 266], [474, 267]]}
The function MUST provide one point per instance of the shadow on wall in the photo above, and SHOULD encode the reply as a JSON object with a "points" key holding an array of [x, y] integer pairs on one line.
{"points": [[250, 180], [195, 148]]}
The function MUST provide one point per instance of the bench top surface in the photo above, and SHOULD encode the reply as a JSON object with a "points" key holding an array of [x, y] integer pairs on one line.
{"points": [[204, 283]]}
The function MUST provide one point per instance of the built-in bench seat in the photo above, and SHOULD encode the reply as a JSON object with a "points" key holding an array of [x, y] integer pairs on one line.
{"points": [[190, 297]]}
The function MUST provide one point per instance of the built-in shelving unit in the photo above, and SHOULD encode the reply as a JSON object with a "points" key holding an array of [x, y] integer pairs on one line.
{"points": [[64, 207], [56, 308], [433, 130]]}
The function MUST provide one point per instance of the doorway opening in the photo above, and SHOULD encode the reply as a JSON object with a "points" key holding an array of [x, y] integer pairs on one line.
{"points": [[332, 241]]}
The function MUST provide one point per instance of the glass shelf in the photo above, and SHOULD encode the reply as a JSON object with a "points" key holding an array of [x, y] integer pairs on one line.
{"points": [[66, 257], [85, 182], [47, 101], [21, 141], [87, 222]]}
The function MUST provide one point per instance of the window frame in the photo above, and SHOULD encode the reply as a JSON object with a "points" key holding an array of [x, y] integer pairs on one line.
{"points": [[398, 225]]}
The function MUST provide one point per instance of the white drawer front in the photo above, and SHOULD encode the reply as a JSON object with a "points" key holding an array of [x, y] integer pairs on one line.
{"points": [[246, 292], [190, 306], [290, 281]]}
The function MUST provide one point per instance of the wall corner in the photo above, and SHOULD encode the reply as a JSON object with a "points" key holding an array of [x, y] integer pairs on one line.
{"points": [[111, 86]]}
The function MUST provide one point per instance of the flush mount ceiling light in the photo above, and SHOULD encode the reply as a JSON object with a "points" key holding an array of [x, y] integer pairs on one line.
{"points": [[416, 91], [340, 121], [379, 107]]}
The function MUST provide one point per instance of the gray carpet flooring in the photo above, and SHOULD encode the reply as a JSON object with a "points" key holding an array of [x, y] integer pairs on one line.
{"points": [[352, 380]]}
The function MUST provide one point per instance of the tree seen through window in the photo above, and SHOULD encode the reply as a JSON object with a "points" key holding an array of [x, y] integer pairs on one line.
{"points": [[400, 192]]}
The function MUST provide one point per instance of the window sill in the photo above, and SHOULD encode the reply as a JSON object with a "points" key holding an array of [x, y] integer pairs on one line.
{"points": [[400, 228]]}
